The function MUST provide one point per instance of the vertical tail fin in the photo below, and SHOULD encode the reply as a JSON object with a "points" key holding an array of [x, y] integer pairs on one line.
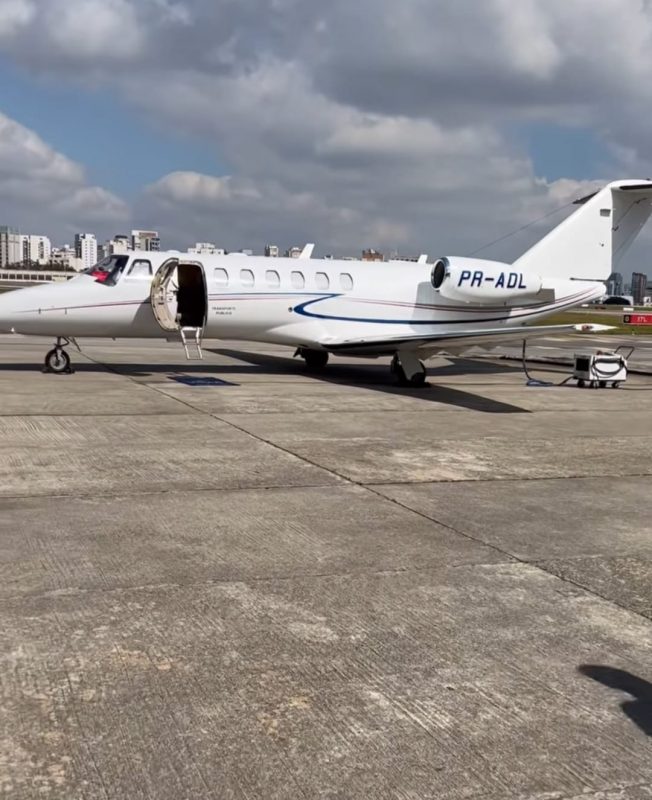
{"points": [[588, 244]]}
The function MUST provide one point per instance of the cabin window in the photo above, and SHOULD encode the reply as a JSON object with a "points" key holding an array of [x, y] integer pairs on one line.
{"points": [[297, 279], [346, 281], [221, 276], [273, 278], [321, 280], [246, 277], [140, 268]]}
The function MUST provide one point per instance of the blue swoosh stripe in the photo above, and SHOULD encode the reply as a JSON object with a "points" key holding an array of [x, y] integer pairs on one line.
{"points": [[301, 309]]}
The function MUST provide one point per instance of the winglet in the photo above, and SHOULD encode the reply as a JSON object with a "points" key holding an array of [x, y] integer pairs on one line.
{"points": [[307, 250]]}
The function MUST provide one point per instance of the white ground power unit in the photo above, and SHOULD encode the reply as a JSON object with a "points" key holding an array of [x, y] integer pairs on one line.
{"points": [[600, 369]]}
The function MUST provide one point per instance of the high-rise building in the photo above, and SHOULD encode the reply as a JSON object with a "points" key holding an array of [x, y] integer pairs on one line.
{"points": [[86, 249], [372, 255], [65, 258], [10, 246], [271, 250], [35, 249], [145, 240], [293, 252], [206, 249], [119, 244], [639, 285], [615, 284]]}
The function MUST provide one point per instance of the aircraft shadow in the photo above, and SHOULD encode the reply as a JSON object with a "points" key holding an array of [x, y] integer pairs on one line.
{"points": [[377, 378], [638, 709], [369, 376], [78, 366]]}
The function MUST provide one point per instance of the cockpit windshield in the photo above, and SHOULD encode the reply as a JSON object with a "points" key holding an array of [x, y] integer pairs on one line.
{"points": [[108, 270]]}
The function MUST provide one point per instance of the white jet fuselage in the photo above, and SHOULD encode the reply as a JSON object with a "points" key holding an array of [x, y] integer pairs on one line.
{"points": [[307, 302], [410, 310]]}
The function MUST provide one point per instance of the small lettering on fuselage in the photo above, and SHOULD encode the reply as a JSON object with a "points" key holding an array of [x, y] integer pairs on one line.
{"points": [[505, 280]]}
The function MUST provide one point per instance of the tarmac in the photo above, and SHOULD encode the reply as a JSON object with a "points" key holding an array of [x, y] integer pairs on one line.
{"points": [[232, 579]]}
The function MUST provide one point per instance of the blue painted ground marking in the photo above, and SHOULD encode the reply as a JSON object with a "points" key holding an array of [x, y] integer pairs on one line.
{"points": [[191, 380]]}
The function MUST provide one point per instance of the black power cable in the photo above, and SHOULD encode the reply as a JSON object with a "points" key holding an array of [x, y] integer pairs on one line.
{"points": [[537, 381], [602, 374]]}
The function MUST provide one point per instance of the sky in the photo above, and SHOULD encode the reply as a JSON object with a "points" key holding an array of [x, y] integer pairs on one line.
{"points": [[419, 126]]}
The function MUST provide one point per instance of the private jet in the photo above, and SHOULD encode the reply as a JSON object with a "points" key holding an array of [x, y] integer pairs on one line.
{"points": [[409, 311]]}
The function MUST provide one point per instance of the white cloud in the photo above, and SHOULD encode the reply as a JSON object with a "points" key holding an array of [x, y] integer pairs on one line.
{"points": [[14, 15], [24, 153], [373, 137], [307, 166], [95, 205], [44, 191], [366, 123], [91, 29], [193, 187], [527, 37], [173, 13]]}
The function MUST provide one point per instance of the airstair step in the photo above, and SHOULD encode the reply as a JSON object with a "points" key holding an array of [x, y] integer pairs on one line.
{"points": [[191, 339]]}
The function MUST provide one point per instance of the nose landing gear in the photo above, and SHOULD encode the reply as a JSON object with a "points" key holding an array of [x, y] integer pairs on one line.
{"points": [[57, 361]]}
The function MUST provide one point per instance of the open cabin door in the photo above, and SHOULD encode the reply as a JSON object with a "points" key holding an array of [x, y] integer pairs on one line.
{"points": [[180, 302], [163, 303]]}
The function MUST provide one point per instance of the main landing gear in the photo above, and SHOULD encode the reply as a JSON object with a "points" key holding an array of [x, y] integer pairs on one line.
{"points": [[408, 370], [315, 360], [57, 361]]}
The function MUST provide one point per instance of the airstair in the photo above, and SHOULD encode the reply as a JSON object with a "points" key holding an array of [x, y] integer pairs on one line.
{"points": [[164, 299], [191, 338]]}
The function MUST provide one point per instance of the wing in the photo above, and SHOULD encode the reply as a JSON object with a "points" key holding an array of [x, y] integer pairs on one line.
{"points": [[453, 340]]}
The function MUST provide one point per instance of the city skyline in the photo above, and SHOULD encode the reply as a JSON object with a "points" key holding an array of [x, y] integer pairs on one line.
{"points": [[365, 251], [87, 250]]}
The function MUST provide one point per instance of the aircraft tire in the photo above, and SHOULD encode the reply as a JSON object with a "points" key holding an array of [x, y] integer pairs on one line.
{"points": [[416, 380], [419, 379], [397, 371], [57, 361], [316, 360]]}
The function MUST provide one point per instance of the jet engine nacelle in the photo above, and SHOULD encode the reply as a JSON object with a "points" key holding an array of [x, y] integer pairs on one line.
{"points": [[474, 280]]}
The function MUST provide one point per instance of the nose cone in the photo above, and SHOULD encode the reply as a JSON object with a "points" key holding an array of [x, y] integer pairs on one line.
{"points": [[9, 305], [21, 308]]}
